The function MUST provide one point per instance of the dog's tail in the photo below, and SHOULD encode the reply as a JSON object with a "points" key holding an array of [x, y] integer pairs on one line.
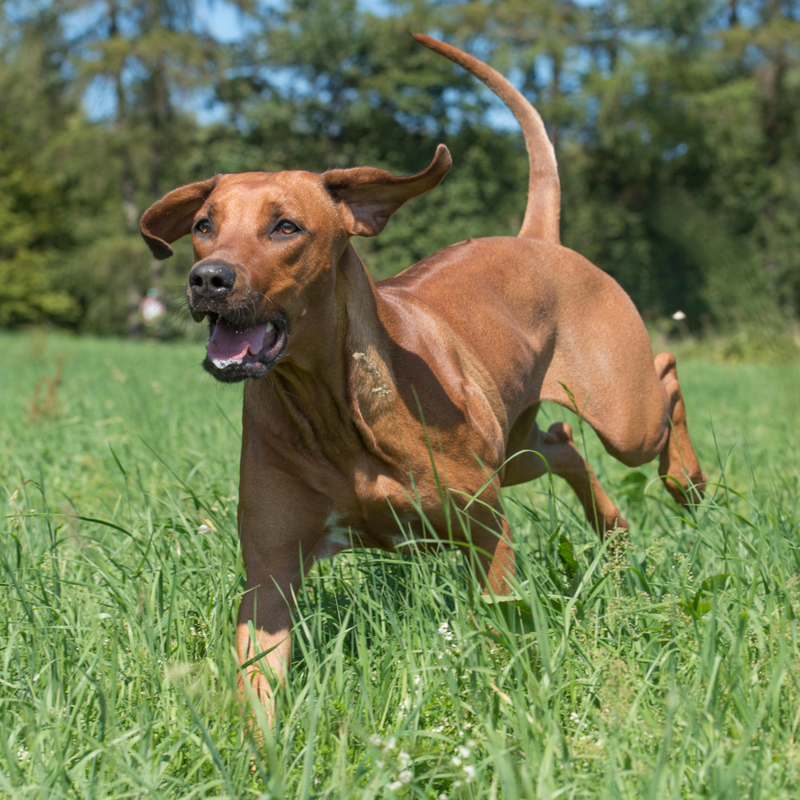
{"points": [[544, 190]]}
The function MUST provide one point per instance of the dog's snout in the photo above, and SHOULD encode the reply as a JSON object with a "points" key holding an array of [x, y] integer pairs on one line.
{"points": [[211, 279]]}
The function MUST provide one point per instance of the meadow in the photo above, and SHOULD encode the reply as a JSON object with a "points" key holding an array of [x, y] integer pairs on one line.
{"points": [[664, 664]]}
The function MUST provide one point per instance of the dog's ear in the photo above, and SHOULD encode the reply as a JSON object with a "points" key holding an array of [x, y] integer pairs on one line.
{"points": [[171, 217], [367, 197]]}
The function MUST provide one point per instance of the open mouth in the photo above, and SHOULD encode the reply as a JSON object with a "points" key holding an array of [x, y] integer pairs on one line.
{"points": [[235, 352]]}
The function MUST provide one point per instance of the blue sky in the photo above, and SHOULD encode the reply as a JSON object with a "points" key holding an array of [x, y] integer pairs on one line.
{"points": [[220, 19]]}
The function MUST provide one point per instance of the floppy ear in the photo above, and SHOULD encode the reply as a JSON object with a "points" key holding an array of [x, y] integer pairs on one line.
{"points": [[171, 217], [367, 197]]}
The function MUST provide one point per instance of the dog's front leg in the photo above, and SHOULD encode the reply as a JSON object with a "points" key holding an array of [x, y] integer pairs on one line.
{"points": [[262, 633], [280, 524], [500, 569], [490, 551]]}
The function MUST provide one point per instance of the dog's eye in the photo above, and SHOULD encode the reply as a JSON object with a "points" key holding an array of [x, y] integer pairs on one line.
{"points": [[202, 226], [287, 226]]}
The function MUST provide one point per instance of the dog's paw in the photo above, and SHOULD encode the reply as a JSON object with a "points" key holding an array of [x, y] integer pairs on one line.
{"points": [[558, 433]]}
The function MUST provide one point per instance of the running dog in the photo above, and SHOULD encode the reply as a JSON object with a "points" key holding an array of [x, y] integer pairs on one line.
{"points": [[365, 402]]}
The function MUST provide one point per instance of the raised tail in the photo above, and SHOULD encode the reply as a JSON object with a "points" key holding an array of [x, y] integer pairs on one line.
{"points": [[544, 190]]}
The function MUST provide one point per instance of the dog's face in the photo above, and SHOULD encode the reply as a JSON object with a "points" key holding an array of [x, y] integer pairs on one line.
{"points": [[266, 247]]}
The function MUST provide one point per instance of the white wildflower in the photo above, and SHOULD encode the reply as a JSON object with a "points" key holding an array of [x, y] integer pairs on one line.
{"points": [[469, 773], [405, 777], [463, 751], [403, 758]]}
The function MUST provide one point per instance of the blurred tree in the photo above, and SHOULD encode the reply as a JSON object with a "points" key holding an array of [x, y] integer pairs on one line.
{"points": [[715, 105], [670, 118], [150, 60], [675, 123], [33, 102]]}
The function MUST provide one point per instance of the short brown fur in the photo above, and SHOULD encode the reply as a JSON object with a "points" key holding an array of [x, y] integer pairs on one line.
{"points": [[447, 362]]}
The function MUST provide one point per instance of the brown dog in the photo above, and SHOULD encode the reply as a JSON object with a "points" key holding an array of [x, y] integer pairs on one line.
{"points": [[365, 402]]}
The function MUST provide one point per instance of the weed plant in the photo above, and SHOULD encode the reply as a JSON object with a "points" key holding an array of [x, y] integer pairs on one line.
{"points": [[663, 664]]}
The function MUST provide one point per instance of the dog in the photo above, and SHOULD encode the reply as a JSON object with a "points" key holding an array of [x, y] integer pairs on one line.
{"points": [[364, 402]]}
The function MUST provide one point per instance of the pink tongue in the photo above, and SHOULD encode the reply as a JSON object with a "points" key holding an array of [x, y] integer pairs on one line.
{"points": [[231, 345]]}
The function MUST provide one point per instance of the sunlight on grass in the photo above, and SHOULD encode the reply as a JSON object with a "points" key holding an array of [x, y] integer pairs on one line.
{"points": [[662, 665]]}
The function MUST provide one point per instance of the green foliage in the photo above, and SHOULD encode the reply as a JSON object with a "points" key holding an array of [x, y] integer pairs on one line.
{"points": [[675, 124], [664, 665], [32, 225], [27, 296]]}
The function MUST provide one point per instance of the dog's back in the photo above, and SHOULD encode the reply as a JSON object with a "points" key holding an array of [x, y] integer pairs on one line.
{"points": [[548, 321]]}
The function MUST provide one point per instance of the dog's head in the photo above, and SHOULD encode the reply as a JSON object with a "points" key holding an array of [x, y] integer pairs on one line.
{"points": [[266, 247]]}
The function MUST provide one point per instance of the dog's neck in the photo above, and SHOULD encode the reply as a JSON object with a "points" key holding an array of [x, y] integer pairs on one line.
{"points": [[326, 396]]}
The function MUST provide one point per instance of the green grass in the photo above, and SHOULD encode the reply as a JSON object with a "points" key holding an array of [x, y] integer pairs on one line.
{"points": [[667, 666]]}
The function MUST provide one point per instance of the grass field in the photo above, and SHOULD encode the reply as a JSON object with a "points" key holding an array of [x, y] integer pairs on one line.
{"points": [[665, 667]]}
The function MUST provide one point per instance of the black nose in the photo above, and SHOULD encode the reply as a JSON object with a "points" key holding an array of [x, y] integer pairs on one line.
{"points": [[211, 279]]}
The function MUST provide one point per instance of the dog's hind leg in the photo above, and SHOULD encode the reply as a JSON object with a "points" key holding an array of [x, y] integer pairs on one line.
{"points": [[678, 465], [555, 449]]}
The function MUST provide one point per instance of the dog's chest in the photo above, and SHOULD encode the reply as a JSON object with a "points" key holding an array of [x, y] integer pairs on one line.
{"points": [[374, 514], [391, 512]]}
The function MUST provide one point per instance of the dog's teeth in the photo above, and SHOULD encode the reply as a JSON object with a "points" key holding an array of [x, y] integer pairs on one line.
{"points": [[221, 363], [270, 327], [198, 316]]}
